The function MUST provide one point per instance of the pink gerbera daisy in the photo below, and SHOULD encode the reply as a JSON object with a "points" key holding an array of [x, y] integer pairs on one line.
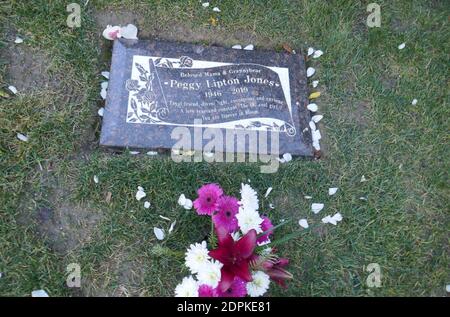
{"points": [[225, 217], [238, 288], [207, 291], [208, 197], [265, 226]]}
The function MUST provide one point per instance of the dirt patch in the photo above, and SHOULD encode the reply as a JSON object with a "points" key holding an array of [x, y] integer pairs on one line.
{"points": [[180, 32]]}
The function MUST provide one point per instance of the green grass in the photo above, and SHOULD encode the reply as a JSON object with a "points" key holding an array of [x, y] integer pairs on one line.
{"points": [[370, 128]]}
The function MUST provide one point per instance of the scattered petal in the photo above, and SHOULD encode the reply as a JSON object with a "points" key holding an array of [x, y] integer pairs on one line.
{"points": [[165, 218], [317, 54], [363, 198], [147, 205], [317, 118], [18, 40], [172, 226], [401, 46], [237, 47], [205, 4], [308, 197], [111, 32], [140, 188], [268, 192], [134, 152], [181, 200], [104, 84], [303, 223], [314, 95], [316, 207], [39, 293], [249, 47], [103, 93], [287, 157], [332, 191], [316, 145], [188, 204], [152, 153], [310, 51], [312, 125], [310, 71], [316, 136], [22, 137], [96, 180], [271, 206], [101, 111], [315, 83], [312, 107], [129, 32], [332, 219], [140, 193], [159, 233], [363, 179], [414, 102], [105, 74], [13, 89], [216, 9]]}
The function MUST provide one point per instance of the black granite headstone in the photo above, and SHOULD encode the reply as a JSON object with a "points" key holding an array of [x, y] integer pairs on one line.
{"points": [[157, 86]]}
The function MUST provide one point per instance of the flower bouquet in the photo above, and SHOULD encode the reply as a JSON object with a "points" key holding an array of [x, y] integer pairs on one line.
{"points": [[240, 260]]}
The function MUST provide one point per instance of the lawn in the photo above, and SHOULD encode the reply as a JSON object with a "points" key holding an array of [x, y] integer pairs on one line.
{"points": [[52, 213]]}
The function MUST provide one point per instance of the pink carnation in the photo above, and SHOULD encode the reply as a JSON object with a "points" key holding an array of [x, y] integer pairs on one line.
{"points": [[207, 291], [238, 288], [208, 197]]}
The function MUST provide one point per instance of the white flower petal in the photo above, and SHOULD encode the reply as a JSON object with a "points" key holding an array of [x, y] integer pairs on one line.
{"points": [[129, 32], [363, 198], [271, 206], [316, 145], [315, 83], [159, 233], [101, 111], [205, 4], [312, 125], [105, 74], [22, 137], [303, 223], [316, 207], [216, 9], [363, 179], [96, 180], [317, 118], [337, 217], [312, 107], [39, 293], [147, 204], [18, 40], [140, 194], [181, 200], [237, 47], [332, 191], [13, 89], [103, 93], [152, 153], [249, 47], [310, 71], [165, 218], [316, 136], [188, 204], [310, 51], [414, 102], [447, 288], [287, 157], [308, 197], [317, 54], [134, 152], [111, 32], [268, 192], [141, 188], [401, 46], [104, 84], [172, 226]]}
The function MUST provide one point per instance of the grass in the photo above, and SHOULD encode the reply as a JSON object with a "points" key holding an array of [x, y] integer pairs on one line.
{"points": [[370, 128]]}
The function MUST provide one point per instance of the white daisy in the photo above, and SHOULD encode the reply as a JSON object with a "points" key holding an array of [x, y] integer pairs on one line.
{"points": [[249, 219], [187, 288], [259, 285], [210, 273], [197, 256], [249, 198]]}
